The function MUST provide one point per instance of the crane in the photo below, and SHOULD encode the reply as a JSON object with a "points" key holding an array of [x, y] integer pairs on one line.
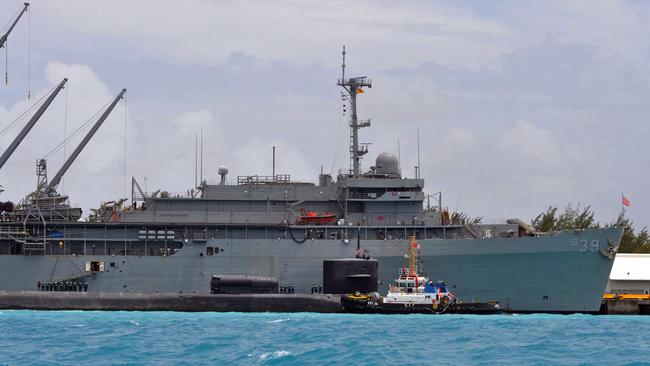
{"points": [[51, 187], [3, 38], [14, 144]]}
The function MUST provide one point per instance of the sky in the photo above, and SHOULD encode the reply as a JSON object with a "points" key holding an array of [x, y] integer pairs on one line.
{"points": [[519, 104]]}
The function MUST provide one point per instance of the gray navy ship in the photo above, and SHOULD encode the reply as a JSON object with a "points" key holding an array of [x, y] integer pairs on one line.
{"points": [[274, 226]]}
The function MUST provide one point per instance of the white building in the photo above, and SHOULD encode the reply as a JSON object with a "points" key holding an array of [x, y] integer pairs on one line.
{"points": [[630, 274]]}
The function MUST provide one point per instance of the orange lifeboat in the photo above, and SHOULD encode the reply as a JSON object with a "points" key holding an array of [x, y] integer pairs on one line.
{"points": [[314, 218]]}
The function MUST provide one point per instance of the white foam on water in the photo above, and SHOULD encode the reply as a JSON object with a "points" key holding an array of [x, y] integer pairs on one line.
{"points": [[273, 355], [134, 322], [278, 321]]}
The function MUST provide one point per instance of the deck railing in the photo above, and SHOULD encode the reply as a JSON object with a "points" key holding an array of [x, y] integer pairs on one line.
{"points": [[263, 179]]}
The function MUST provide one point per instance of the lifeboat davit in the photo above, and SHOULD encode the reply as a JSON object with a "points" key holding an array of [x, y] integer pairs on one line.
{"points": [[314, 218]]}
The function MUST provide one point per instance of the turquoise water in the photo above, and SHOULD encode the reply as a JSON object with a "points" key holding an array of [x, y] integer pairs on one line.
{"points": [[133, 338]]}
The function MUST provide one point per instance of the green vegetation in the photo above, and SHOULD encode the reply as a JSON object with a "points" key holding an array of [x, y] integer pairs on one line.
{"points": [[571, 218], [583, 218], [461, 218], [631, 242]]}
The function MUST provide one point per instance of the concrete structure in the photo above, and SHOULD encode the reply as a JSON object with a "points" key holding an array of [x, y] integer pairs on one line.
{"points": [[630, 274]]}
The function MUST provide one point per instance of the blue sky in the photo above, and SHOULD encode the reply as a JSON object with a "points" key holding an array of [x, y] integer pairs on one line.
{"points": [[520, 104]]}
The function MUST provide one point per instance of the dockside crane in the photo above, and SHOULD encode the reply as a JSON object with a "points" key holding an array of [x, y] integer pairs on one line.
{"points": [[51, 187], [3, 38], [14, 144]]}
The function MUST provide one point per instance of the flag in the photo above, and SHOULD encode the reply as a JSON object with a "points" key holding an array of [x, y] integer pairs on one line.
{"points": [[626, 202], [360, 91]]}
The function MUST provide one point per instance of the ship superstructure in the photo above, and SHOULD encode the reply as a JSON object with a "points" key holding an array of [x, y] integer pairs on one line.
{"points": [[273, 226]]}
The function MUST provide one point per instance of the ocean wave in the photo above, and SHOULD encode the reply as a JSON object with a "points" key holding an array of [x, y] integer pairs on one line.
{"points": [[278, 321], [274, 355], [36, 337]]}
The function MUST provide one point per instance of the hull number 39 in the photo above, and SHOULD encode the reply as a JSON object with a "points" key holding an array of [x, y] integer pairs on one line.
{"points": [[585, 245]]}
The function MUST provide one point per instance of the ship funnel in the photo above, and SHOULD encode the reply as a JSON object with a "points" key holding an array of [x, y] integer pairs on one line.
{"points": [[324, 180]]}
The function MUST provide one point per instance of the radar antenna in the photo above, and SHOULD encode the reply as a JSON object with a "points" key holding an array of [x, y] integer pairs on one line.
{"points": [[354, 86]]}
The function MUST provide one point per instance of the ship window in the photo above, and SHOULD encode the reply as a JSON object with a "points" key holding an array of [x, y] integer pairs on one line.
{"points": [[209, 251], [216, 250], [94, 266]]}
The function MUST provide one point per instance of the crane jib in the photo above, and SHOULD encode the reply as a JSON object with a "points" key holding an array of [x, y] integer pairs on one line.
{"points": [[21, 135], [3, 38], [51, 187]]}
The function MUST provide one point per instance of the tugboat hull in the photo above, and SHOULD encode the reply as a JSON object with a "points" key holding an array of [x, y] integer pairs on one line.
{"points": [[370, 304]]}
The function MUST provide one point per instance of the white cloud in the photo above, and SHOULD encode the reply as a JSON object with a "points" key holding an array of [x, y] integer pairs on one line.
{"points": [[86, 82], [617, 28], [206, 32], [536, 145]]}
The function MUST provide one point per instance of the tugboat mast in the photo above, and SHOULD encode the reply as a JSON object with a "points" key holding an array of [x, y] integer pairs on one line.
{"points": [[413, 256], [354, 86]]}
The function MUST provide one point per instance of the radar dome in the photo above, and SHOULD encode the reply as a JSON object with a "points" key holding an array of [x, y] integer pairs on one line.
{"points": [[222, 173], [387, 164]]}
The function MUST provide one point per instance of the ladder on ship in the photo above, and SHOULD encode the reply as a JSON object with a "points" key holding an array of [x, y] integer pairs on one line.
{"points": [[22, 236], [29, 242], [34, 246]]}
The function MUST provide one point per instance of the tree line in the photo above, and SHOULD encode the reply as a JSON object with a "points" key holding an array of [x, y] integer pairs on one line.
{"points": [[576, 218], [583, 218]]}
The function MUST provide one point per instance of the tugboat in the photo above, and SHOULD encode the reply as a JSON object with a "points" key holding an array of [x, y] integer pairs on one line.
{"points": [[412, 292]]}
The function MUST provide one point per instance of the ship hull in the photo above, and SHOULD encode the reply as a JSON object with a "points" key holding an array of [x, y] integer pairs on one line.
{"points": [[566, 272]]}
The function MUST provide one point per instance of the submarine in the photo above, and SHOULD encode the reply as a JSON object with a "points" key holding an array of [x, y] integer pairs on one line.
{"points": [[228, 293]]}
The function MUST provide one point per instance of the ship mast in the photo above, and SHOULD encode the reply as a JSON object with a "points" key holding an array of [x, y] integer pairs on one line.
{"points": [[352, 87]]}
